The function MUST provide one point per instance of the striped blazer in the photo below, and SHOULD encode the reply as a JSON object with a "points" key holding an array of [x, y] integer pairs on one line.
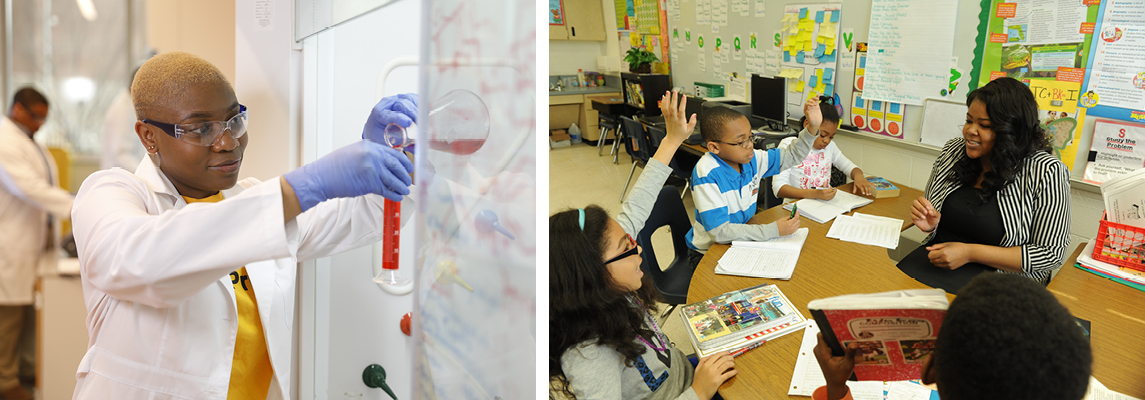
{"points": [[1035, 207]]}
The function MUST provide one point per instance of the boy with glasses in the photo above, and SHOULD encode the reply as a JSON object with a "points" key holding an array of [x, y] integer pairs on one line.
{"points": [[726, 180]]}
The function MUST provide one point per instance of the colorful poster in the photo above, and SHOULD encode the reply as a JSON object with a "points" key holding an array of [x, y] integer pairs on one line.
{"points": [[1117, 52], [556, 13], [1036, 39], [1059, 115], [808, 39], [911, 42], [1116, 150], [647, 16]]}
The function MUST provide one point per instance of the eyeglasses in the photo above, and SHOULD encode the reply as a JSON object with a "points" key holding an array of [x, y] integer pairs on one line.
{"points": [[205, 134], [627, 253], [746, 143]]}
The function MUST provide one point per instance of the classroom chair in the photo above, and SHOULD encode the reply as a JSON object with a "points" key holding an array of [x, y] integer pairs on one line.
{"points": [[657, 135], [672, 283], [607, 123], [637, 147]]}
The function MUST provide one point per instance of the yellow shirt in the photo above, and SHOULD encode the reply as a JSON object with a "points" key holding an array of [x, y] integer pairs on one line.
{"points": [[251, 370]]}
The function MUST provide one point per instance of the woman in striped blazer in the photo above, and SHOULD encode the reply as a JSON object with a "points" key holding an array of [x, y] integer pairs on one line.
{"points": [[1001, 197]]}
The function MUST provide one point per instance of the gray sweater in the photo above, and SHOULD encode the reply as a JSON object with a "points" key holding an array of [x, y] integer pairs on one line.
{"points": [[598, 372]]}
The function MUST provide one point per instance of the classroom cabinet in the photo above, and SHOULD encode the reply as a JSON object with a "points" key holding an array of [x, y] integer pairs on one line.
{"points": [[584, 20], [644, 91], [565, 110]]}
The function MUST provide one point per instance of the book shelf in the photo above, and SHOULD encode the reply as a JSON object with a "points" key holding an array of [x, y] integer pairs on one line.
{"points": [[644, 90]]}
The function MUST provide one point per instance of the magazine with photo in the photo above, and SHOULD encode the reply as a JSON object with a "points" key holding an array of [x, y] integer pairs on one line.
{"points": [[737, 319]]}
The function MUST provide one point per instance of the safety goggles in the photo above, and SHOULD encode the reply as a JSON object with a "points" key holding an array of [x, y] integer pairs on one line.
{"points": [[205, 134], [627, 253]]}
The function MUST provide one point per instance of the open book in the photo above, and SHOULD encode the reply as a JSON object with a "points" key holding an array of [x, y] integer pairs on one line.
{"points": [[775, 258], [739, 319], [895, 330], [822, 211]]}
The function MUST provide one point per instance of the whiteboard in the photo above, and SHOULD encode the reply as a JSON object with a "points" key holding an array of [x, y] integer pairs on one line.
{"points": [[942, 120], [856, 19]]}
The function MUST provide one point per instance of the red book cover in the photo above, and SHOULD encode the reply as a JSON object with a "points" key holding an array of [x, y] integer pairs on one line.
{"points": [[893, 343]]}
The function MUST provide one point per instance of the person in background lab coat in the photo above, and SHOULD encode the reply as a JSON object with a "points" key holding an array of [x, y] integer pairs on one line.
{"points": [[188, 273], [31, 205], [121, 148]]}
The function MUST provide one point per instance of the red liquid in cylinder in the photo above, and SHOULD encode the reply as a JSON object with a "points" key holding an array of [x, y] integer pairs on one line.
{"points": [[391, 229]]}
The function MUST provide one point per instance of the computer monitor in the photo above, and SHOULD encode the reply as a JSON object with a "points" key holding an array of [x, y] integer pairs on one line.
{"points": [[695, 105], [769, 100]]}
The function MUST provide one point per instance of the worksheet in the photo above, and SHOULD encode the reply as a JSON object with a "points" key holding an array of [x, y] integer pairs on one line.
{"points": [[867, 229]]}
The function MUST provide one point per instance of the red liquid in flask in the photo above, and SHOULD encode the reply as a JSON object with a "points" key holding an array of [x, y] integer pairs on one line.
{"points": [[391, 228], [457, 146]]}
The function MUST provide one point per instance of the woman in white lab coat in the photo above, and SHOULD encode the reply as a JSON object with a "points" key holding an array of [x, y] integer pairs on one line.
{"points": [[170, 311]]}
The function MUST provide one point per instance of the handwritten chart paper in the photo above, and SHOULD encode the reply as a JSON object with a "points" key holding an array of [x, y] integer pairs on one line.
{"points": [[910, 45]]}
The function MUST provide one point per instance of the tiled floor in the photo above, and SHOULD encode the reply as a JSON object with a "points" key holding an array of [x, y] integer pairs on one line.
{"points": [[578, 177]]}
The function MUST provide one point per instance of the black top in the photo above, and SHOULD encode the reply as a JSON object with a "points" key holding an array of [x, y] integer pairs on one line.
{"points": [[964, 219]]}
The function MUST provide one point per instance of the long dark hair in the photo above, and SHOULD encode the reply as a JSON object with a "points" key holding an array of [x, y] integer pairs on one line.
{"points": [[584, 303], [1017, 135]]}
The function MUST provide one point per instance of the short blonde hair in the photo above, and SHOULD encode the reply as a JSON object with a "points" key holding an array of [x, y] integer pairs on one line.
{"points": [[160, 80]]}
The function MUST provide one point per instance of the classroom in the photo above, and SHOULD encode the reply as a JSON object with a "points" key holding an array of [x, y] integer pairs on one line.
{"points": [[898, 74]]}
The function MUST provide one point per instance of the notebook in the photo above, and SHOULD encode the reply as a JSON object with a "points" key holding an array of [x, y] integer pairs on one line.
{"points": [[775, 258], [822, 211]]}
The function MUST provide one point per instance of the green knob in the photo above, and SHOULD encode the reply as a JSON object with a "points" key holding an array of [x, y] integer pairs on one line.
{"points": [[375, 376]]}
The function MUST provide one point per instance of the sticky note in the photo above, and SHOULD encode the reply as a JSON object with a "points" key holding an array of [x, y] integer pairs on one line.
{"points": [[818, 17], [795, 86], [829, 89], [835, 16], [786, 57], [807, 45], [828, 58], [799, 57], [819, 51], [814, 81], [894, 108], [830, 49], [803, 13], [828, 72]]}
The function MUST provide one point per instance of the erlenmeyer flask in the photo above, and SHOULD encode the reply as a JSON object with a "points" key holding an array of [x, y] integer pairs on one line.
{"points": [[458, 124]]}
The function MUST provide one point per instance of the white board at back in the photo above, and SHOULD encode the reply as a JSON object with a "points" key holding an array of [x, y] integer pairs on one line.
{"points": [[942, 120]]}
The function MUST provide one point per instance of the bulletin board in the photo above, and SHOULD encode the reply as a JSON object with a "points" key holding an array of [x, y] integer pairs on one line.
{"points": [[757, 25]]}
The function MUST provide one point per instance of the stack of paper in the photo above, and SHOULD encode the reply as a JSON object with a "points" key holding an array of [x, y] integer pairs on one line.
{"points": [[822, 211], [1125, 199], [775, 258], [867, 229], [1098, 391], [1127, 276], [808, 377]]}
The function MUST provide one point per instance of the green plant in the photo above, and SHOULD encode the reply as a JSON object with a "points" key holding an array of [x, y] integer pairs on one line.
{"points": [[637, 57]]}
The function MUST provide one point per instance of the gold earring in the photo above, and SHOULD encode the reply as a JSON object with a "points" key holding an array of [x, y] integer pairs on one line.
{"points": [[151, 148]]}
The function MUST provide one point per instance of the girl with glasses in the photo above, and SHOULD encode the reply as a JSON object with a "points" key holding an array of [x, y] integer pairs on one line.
{"points": [[604, 342]]}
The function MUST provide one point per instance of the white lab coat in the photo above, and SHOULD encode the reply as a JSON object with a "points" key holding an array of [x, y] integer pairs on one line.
{"points": [[27, 197], [161, 308], [121, 146]]}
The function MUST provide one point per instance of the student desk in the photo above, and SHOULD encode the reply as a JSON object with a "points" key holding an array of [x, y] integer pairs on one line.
{"points": [[827, 267], [1117, 316]]}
